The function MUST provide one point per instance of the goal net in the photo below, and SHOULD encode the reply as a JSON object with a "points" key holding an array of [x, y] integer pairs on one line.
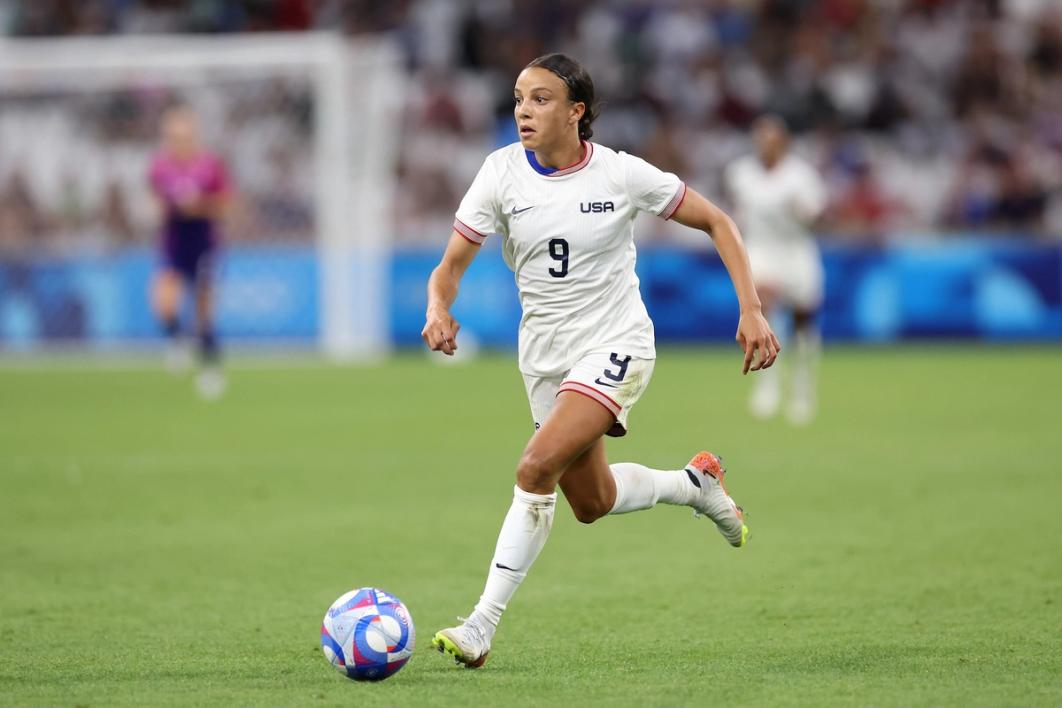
{"points": [[306, 125]]}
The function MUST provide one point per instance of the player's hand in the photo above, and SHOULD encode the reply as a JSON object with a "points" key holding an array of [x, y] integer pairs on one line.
{"points": [[754, 335], [440, 331]]}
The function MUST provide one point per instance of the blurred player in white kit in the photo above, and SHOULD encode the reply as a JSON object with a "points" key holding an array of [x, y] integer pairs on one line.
{"points": [[778, 196]]}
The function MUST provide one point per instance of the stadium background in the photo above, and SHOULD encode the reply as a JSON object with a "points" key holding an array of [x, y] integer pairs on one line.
{"points": [[933, 121]]}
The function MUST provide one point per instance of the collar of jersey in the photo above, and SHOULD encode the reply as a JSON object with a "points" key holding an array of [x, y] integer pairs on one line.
{"points": [[560, 172]]}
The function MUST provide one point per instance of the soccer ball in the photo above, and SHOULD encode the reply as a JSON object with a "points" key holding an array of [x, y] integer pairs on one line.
{"points": [[367, 634]]}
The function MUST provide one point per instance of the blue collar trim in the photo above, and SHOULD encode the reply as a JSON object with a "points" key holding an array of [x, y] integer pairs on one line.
{"points": [[533, 161]]}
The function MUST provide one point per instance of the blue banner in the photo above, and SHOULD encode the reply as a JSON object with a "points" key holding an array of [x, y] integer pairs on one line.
{"points": [[988, 290], [264, 293], [956, 289]]}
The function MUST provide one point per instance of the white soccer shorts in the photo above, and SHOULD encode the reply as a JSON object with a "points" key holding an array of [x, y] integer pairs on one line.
{"points": [[612, 378], [794, 272]]}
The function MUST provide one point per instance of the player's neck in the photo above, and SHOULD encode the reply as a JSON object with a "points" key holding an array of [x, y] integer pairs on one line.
{"points": [[184, 155], [769, 162], [561, 156]]}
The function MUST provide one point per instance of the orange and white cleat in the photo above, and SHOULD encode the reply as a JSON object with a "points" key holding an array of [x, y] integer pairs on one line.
{"points": [[707, 472]]}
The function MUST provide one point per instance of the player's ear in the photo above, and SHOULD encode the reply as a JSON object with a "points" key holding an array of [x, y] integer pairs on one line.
{"points": [[578, 110]]}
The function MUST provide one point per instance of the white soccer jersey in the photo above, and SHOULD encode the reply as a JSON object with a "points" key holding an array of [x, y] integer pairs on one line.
{"points": [[774, 206], [569, 238]]}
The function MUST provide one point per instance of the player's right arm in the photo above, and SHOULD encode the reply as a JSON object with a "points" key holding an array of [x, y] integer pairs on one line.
{"points": [[810, 198], [440, 328], [476, 217], [754, 332]]}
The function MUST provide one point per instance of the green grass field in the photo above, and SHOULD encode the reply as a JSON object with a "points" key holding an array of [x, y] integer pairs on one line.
{"points": [[906, 549]]}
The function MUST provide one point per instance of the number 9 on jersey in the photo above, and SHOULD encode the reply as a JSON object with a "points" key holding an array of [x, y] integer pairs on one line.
{"points": [[558, 251]]}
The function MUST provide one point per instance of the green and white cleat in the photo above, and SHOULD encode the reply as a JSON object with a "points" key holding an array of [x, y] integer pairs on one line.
{"points": [[706, 471], [467, 643]]}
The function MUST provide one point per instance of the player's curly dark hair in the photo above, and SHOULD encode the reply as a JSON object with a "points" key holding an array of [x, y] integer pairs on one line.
{"points": [[580, 86]]}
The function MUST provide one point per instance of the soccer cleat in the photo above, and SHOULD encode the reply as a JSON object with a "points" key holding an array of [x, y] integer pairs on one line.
{"points": [[210, 383], [766, 397], [467, 643], [801, 411], [706, 471], [178, 357]]}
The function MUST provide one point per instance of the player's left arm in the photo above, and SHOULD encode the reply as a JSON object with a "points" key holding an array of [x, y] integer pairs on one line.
{"points": [[754, 334], [218, 197]]}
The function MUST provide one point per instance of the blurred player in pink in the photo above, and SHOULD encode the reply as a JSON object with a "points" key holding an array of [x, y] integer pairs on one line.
{"points": [[192, 186]]}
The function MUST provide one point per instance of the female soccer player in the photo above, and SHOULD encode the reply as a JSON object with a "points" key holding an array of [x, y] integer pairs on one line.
{"points": [[192, 186], [777, 196], [565, 208]]}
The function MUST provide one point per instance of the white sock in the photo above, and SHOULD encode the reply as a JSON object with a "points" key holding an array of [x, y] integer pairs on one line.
{"points": [[639, 487], [766, 396], [806, 347], [523, 533], [767, 391]]}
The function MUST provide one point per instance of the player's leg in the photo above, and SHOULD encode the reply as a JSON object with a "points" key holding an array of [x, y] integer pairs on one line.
{"points": [[805, 359], [766, 398], [574, 425], [166, 298], [806, 296], [211, 381], [166, 294], [769, 268], [589, 486], [594, 489], [209, 352]]}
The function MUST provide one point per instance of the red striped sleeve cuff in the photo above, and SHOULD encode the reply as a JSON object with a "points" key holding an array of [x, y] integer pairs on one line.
{"points": [[591, 392], [468, 232], [675, 202]]}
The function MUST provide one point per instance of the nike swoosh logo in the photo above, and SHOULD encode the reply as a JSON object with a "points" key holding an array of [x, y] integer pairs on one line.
{"points": [[602, 383], [516, 211]]}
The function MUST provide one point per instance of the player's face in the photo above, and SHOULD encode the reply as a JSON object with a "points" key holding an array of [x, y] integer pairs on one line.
{"points": [[180, 134], [771, 142], [544, 114]]}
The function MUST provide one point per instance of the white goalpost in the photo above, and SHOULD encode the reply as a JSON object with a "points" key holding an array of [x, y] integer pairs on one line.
{"points": [[309, 121]]}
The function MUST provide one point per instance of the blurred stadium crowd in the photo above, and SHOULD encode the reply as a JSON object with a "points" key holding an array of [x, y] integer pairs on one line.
{"points": [[73, 163], [926, 116]]}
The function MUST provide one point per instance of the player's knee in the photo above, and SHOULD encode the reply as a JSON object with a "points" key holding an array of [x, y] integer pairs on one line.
{"points": [[803, 319], [167, 294], [535, 473], [166, 304]]}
